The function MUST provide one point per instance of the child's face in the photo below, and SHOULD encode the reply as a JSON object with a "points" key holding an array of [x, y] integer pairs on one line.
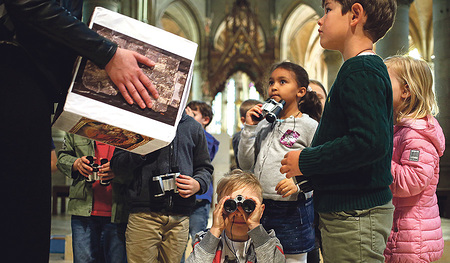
{"points": [[333, 26], [399, 90], [197, 115], [235, 223], [320, 93], [283, 86]]}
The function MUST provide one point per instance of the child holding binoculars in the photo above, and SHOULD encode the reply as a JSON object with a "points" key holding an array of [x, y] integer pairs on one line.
{"points": [[161, 192], [96, 204], [262, 146], [236, 234]]}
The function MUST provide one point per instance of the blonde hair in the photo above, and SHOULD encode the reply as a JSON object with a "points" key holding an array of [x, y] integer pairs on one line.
{"points": [[416, 74], [238, 179]]}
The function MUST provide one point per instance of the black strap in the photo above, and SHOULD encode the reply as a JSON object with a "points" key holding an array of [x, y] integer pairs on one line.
{"points": [[173, 162]]}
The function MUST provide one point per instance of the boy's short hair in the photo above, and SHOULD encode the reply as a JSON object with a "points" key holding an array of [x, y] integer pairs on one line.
{"points": [[246, 105], [380, 15], [204, 108], [238, 179]]}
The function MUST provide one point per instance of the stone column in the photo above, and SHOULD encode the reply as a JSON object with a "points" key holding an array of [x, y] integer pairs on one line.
{"points": [[334, 60], [89, 6], [396, 40], [441, 31], [196, 86]]}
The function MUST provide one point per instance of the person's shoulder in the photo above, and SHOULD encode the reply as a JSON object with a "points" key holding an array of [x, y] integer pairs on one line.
{"points": [[236, 135], [77, 139], [187, 121], [208, 135], [307, 121], [211, 138], [364, 65]]}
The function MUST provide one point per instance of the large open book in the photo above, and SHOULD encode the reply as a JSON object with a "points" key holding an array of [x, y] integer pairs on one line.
{"points": [[94, 107]]}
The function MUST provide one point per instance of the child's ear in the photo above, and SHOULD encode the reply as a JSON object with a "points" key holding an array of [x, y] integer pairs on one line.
{"points": [[205, 120], [358, 14], [242, 120], [301, 92], [263, 206], [406, 93]]}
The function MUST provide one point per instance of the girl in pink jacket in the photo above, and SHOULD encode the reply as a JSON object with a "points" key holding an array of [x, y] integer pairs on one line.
{"points": [[416, 234]]}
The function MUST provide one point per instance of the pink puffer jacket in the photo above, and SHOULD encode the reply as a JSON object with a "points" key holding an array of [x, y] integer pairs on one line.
{"points": [[416, 234]]}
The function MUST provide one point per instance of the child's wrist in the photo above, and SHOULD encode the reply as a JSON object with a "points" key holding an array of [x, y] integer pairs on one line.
{"points": [[252, 226], [215, 231]]}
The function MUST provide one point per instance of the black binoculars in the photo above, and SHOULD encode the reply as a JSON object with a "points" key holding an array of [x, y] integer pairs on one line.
{"points": [[270, 110], [95, 168], [231, 205], [163, 183]]}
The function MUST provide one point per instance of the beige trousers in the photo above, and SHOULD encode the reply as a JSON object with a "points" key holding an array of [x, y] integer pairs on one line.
{"points": [[155, 237]]}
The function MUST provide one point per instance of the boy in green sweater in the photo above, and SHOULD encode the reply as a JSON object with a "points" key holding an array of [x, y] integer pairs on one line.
{"points": [[349, 162]]}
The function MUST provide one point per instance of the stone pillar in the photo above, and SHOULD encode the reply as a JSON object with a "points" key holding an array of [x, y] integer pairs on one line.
{"points": [[334, 60], [396, 41], [89, 6], [196, 86], [441, 31]]}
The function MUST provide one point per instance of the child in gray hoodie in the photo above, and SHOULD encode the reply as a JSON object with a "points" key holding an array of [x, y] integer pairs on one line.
{"points": [[236, 234]]}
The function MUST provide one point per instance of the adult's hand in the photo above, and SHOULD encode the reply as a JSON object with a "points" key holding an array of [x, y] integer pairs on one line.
{"points": [[133, 84]]}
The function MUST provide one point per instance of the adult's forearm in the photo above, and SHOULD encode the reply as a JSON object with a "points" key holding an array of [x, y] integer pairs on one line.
{"points": [[58, 24]]}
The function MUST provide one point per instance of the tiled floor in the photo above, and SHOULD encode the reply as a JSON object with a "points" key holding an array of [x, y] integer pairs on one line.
{"points": [[61, 226]]}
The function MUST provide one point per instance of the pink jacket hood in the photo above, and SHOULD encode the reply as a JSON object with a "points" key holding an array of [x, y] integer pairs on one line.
{"points": [[429, 128]]}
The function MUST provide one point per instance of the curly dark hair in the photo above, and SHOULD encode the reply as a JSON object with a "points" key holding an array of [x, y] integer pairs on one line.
{"points": [[310, 103]]}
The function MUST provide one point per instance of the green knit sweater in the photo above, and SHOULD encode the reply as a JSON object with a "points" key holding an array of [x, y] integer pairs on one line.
{"points": [[349, 162]]}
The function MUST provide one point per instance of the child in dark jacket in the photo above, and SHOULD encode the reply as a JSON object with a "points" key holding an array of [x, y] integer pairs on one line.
{"points": [[161, 192]]}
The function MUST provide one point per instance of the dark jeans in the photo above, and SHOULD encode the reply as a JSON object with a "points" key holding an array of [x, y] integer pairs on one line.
{"points": [[96, 239], [293, 223]]}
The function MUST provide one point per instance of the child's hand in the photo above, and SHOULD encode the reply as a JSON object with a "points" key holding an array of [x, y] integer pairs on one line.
{"points": [[286, 187], [289, 164], [218, 224], [187, 186], [253, 220], [252, 114], [105, 172], [82, 166], [189, 112]]}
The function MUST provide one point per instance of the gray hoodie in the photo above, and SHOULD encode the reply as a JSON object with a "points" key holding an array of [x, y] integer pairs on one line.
{"points": [[263, 247], [260, 150]]}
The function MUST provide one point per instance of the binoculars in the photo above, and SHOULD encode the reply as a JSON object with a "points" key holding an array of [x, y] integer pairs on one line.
{"points": [[270, 110], [95, 169], [231, 205], [164, 183]]}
